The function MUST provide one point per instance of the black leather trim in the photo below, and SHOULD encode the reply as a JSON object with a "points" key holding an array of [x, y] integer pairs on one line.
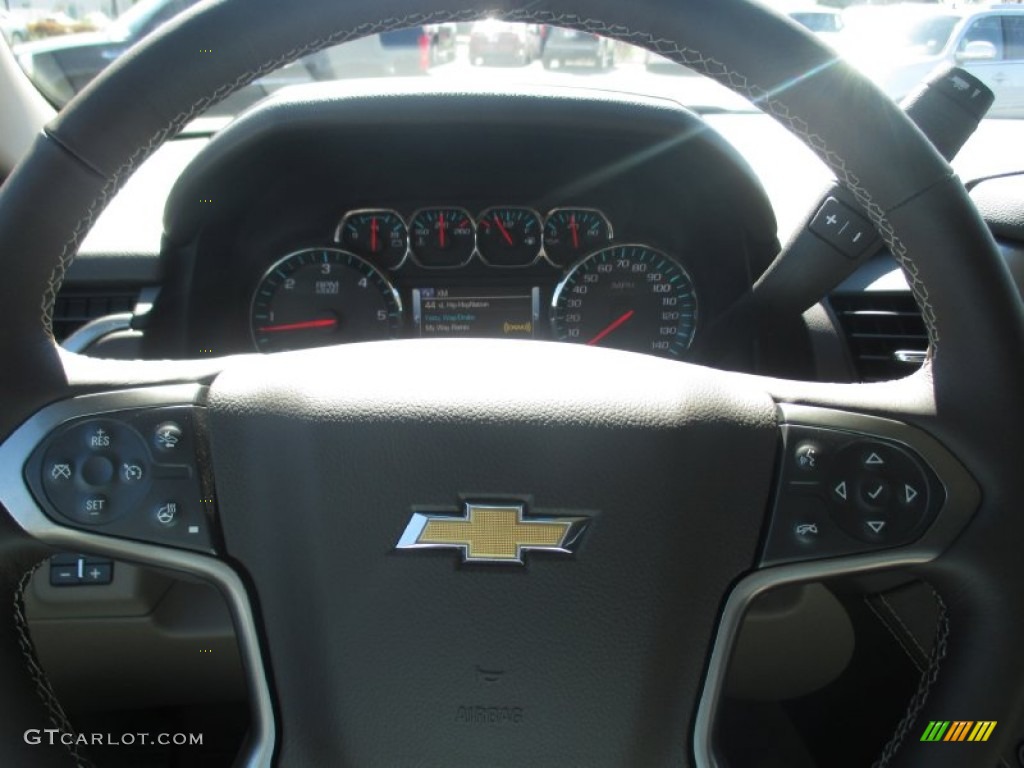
{"points": [[1001, 202]]}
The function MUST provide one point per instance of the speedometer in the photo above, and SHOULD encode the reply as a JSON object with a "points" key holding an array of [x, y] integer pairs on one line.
{"points": [[628, 297]]}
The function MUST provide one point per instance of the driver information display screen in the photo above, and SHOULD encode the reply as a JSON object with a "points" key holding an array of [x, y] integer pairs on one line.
{"points": [[493, 313]]}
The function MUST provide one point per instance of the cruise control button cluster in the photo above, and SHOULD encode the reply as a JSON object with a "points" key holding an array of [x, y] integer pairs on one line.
{"points": [[843, 493], [131, 473]]}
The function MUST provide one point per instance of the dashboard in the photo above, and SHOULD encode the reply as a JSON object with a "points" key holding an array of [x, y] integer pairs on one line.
{"points": [[576, 217]]}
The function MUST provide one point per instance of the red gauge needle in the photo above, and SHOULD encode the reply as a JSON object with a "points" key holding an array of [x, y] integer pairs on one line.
{"points": [[373, 234], [614, 325], [327, 322], [504, 232], [575, 231], [441, 227]]}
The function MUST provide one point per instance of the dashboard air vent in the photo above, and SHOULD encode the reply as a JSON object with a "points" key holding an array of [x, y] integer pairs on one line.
{"points": [[884, 331], [76, 307]]}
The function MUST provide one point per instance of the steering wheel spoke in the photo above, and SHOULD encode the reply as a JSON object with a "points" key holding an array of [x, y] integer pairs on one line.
{"points": [[126, 475]]}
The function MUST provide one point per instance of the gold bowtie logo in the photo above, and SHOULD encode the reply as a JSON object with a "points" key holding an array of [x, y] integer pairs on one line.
{"points": [[492, 533]]}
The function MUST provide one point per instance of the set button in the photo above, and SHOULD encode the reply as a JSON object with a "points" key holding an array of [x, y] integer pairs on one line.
{"points": [[94, 509]]}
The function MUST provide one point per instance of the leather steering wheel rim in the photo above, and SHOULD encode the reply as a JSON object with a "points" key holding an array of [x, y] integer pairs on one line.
{"points": [[967, 395]]}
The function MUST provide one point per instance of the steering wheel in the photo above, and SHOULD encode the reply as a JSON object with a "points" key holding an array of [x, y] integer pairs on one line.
{"points": [[366, 609]]}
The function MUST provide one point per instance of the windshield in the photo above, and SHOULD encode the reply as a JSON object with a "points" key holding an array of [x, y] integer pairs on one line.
{"points": [[900, 34], [61, 61], [144, 16]]}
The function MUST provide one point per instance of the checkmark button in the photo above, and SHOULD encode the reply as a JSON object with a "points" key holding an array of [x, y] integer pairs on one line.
{"points": [[875, 492]]}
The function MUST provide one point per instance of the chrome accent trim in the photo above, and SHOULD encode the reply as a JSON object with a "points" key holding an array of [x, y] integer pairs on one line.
{"points": [[389, 288], [552, 212], [912, 356], [554, 309], [18, 500], [413, 258], [540, 235], [94, 330], [962, 499], [362, 212], [144, 304], [573, 528]]}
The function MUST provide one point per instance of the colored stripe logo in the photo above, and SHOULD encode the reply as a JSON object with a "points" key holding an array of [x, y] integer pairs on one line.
{"points": [[958, 730]]}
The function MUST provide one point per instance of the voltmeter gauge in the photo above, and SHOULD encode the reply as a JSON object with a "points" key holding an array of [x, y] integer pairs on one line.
{"points": [[378, 235]]}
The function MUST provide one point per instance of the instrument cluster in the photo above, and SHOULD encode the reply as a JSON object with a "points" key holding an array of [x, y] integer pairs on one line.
{"points": [[450, 237], [387, 277]]}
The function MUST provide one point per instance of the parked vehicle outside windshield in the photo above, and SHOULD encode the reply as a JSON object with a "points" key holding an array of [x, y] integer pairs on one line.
{"points": [[897, 45], [900, 46]]}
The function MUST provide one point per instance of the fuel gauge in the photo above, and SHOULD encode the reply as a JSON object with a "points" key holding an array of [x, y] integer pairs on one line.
{"points": [[378, 235], [508, 237], [572, 233]]}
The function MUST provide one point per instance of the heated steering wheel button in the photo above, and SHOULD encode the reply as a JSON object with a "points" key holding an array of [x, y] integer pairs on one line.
{"points": [[166, 514], [98, 471]]}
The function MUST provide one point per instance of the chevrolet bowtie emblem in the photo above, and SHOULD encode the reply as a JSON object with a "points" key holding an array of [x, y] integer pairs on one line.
{"points": [[492, 533]]}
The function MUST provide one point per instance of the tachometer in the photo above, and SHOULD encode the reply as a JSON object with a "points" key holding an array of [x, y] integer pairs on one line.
{"points": [[628, 297], [322, 296]]}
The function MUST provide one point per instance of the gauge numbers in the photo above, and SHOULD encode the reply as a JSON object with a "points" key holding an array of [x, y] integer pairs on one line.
{"points": [[442, 237], [628, 297], [322, 296], [508, 237], [570, 233], [378, 235]]}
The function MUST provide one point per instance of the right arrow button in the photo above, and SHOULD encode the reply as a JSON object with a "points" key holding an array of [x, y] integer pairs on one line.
{"points": [[909, 493]]}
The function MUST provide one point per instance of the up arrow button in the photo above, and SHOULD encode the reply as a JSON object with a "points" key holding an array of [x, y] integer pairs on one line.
{"points": [[874, 460]]}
